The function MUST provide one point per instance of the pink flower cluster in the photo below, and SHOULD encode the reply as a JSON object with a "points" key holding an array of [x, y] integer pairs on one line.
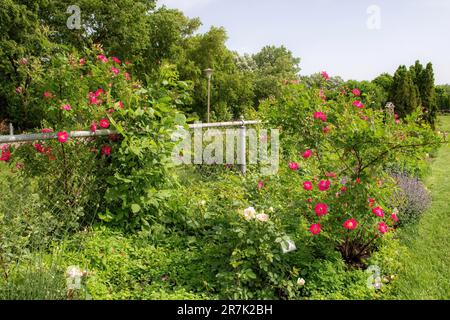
{"points": [[6, 154]]}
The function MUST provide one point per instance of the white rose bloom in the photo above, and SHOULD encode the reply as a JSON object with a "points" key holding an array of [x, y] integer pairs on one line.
{"points": [[74, 272], [262, 217], [301, 281], [249, 213]]}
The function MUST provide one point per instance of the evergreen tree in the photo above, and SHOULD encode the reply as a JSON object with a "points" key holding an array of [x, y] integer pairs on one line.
{"points": [[416, 73], [404, 93], [428, 94], [424, 80]]}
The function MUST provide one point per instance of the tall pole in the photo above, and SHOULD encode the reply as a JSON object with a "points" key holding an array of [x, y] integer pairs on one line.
{"points": [[209, 95], [208, 73]]}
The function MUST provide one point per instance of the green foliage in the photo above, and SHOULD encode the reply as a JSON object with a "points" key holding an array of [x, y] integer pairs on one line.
{"points": [[274, 65], [424, 270], [443, 98], [126, 35], [39, 277], [78, 172], [133, 267], [373, 95], [404, 93], [414, 88], [355, 147], [424, 80]]}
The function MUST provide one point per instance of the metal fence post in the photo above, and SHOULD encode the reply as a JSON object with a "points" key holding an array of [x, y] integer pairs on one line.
{"points": [[11, 129], [242, 147]]}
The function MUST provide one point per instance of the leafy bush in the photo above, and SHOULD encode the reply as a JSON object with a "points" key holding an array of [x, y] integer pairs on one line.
{"points": [[131, 267], [341, 148], [112, 174]]}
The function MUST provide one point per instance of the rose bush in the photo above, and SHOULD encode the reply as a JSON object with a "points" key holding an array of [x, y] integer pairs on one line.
{"points": [[341, 187], [122, 178]]}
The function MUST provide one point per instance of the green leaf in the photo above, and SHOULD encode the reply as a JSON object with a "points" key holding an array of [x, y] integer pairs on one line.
{"points": [[135, 208]]}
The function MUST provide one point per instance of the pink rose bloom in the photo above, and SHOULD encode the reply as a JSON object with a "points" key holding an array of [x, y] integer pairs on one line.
{"points": [[315, 229], [66, 107], [63, 136], [93, 100], [324, 185], [120, 104], [260, 184], [115, 70], [48, 95], [394, 217], [383, 228], [82, 62], [104, 123], [331, 175], [293, 166], [356, 92], [102, 58], [378, 212], [116, 60], [307, 154], [321, 209], [127, 76], [19, 90], [39, 148], [320, 115], [99, 91], [307, 185], [325, 75], [322, 95], [350, 224], [106, 150], [93, 127], [358, 104], [6, 155]]}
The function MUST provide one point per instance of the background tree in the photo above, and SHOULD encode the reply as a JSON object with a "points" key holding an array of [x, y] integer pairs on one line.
{"points": [[404, 93], [443, 98], [274, 66], [231, 87], [23, 41], [428, 94]]}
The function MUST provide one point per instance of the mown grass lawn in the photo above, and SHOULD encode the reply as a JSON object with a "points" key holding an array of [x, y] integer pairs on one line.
{"points": [[427, 266]]}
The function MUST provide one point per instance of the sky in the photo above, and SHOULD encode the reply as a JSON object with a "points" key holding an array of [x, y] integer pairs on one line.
{"points": [[354, 39]]}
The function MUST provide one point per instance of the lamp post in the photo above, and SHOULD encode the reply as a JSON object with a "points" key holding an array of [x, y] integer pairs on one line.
{"points": [[209, 73]]}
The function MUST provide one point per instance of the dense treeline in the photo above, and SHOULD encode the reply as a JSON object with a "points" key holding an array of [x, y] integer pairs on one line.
{"points": [[148, 37]]}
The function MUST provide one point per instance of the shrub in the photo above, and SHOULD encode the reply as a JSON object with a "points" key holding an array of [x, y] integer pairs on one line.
{"points": [[123, 266], [348, 147], [124, 178]]}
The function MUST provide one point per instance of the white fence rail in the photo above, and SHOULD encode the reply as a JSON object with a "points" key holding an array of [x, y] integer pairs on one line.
{"points": [[12, 138]]}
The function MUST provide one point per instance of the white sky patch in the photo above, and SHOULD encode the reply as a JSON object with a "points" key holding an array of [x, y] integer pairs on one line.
{"points": [[184, 5]]}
